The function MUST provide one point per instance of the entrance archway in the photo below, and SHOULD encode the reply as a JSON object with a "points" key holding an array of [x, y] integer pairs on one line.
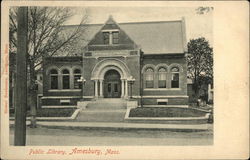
{"points": [[112, 84], [118, 67]]}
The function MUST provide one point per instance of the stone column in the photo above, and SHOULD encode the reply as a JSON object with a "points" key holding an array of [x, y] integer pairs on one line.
{"points": [[169, 79], [101, 88], [96, 88], [110, 38], [60, 85], [122, 95], [126, 88]]}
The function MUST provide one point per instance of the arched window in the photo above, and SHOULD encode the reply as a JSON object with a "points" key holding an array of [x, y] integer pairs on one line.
{"points": [[175, 77], [149, 78], [162, 77], [53, 79], [77, 76], [65, 79]]}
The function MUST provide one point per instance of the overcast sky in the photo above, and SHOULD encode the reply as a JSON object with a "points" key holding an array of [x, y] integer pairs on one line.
{"points": [[196, 25]]}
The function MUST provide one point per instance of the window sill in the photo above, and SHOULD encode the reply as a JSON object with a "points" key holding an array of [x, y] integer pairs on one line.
{"points": [[161, 89], [175, 88], [64, 90]]}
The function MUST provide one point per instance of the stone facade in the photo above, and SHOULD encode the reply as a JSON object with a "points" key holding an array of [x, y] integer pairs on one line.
{"points": [[119, 64]]}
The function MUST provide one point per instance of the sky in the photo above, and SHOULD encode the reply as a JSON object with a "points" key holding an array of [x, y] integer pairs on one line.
{"points": [[197, 25]]}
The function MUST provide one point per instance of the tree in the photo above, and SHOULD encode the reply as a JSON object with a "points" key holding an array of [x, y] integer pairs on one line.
{"points": [[200, 63], [46, 37]]}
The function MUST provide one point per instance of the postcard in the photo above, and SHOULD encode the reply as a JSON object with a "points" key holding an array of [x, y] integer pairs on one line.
{"points": [[124, 80]]}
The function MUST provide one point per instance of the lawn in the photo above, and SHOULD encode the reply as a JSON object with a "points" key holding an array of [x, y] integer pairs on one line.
{"points": [[51, 112], [165, 112]]}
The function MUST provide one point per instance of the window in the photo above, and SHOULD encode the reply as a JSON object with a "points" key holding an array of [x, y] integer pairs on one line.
{"points": [[77, 76], [106, 37], [175, 77], [111, 37], [149, 77], [65, 79], [115, 36], [53, 79], [162, 78]]}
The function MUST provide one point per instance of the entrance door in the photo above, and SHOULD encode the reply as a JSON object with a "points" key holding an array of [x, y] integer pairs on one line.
{"points": [[112, 84]]}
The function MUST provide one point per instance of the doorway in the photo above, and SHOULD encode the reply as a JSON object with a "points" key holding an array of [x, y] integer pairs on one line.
{"points": [[112, 84]]}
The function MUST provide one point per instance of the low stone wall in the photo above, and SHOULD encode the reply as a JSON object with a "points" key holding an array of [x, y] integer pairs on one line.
{"points": [[167, 120], [170, 101], [57, 101]]}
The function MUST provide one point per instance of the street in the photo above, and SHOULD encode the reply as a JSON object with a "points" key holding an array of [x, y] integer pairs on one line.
{"points": [[98, 137]]}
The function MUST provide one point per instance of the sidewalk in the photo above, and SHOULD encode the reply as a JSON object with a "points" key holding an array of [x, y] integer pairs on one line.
{"points": [[115, 126]]}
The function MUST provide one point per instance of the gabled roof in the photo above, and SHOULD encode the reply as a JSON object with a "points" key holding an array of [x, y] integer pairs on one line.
{"points": [[159, 37]]}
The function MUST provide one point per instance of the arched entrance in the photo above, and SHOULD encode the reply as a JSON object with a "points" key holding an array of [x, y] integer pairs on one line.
{"points": [[112, 84], [110, 78]]}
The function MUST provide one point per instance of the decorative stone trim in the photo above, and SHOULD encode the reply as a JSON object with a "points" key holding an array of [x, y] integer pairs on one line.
{"points": [[87, 96], [167, 106], [110, 63], [161, 96], [175, 65], [60, 97], [110, 30], [147, 66], [161, 65], [59, 107], [162, 100], [64, 90], [52, 67], [136, 96], [160, 89]]}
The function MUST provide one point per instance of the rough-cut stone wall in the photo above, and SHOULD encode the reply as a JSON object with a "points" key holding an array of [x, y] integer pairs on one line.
{"points": [[176, 96], [59, 64], [131, 62], [168, 61]]}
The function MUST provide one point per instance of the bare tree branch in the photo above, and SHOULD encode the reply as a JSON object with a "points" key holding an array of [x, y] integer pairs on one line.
{"points": [[46, 34]]}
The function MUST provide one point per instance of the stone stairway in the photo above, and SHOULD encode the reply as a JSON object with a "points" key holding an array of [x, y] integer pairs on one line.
{"points": [[103, 110], [107, 103]]}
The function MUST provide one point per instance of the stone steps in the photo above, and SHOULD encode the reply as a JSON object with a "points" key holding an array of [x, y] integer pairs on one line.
{"points": [[87, 115], [107, 103], [103, 110]]}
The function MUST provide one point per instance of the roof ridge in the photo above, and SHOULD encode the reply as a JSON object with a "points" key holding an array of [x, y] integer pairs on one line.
{"points": [[145, 22], [150, 22]]}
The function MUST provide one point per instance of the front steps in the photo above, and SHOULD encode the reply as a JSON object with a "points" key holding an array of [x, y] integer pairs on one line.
{"points": [[107, 103], [101, 115], [103, 110]]}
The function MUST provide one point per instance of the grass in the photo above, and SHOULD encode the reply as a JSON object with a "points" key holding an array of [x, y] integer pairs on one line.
{"points": [[51, 112], [165, 112]]}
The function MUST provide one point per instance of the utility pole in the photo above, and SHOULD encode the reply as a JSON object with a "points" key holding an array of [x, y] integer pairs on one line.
{"points": [[21, 77]]}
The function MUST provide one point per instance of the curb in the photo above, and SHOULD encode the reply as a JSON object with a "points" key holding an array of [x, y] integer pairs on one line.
{"points": [[121, 128], [166, 119], [127, 126], [72, 117]]}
